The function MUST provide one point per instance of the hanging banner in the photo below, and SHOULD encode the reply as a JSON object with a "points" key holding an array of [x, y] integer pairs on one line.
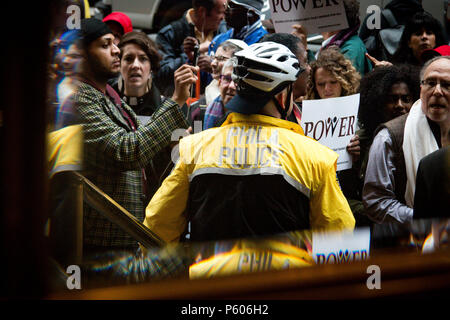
{"points": [[332, 122], [316, 16]]}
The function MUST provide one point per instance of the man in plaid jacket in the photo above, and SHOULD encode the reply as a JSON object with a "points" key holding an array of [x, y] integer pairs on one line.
{"points": [[117, 147]]}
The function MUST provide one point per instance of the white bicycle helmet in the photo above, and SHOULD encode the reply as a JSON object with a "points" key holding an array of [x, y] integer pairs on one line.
{"points": [[260, 72], [265, 68]]}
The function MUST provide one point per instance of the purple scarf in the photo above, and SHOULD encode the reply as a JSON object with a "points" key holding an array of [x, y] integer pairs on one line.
{"points": [[342, 36]]}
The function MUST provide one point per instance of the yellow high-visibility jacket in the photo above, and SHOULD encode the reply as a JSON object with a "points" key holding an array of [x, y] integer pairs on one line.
{"points": [[65, 149], [245, 257], [253, 176]]}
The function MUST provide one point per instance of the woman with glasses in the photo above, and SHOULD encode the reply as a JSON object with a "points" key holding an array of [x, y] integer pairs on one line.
{"points": [[217, 109], [224, 52]]}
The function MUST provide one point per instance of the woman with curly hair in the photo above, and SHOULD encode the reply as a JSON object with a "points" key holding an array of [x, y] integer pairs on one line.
{"points": [[332, 76], [385, 93]]}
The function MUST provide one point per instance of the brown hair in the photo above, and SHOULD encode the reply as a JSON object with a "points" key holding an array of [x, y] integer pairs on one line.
{"points": [[340, 67], [145, 43]]}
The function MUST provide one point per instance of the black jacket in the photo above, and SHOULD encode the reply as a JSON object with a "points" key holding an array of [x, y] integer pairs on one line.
{"points": [[170, 42], [432, 196]]}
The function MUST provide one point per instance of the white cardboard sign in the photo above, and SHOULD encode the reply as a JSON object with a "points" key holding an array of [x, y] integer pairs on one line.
{"points": [[316, 16], [332, 122]]}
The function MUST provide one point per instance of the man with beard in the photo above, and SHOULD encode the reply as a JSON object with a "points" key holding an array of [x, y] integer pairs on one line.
{"points": [[117, 147], [400, 144]]}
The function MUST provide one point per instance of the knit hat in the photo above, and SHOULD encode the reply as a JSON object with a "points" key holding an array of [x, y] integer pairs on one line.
{"points": [[255, 5], [92, 29], [122, 19]]}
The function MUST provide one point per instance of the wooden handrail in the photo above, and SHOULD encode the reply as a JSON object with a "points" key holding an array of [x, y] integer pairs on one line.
{"points": [[115, 213]]}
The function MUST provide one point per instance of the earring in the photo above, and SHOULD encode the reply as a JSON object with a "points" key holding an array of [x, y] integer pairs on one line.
{"points": [[121, 84], [149, 81]]}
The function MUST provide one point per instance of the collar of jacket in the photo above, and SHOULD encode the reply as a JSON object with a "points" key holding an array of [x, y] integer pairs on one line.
{"points": [[234, 118]]}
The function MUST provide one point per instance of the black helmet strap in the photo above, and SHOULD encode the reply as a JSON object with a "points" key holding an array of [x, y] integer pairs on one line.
{"points": [[287, 101]]}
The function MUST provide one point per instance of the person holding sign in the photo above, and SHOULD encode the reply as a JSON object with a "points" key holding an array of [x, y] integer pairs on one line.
{"points": [[348, 41], [257, 174], [333, 76], [386, 93]]}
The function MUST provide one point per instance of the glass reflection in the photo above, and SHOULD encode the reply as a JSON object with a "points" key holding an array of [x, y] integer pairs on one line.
{"points": [[293, 250]]}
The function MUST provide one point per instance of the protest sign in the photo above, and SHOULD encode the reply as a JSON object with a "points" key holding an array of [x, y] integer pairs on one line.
{"points": [[316, 16], [341, 247], [332, 122]]}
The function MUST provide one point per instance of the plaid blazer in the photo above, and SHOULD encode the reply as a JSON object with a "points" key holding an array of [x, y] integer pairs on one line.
{"points": [[114, 156]]}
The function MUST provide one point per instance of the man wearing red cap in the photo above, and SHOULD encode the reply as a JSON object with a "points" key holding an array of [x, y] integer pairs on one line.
{"points": [[119, 23]]}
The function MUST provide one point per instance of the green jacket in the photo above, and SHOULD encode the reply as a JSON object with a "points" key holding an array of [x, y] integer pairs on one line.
{"points": [[114, 156], [355, 50]]}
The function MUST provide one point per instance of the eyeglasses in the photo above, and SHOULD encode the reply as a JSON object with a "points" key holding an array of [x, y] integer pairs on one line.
{"points": [[226, 78], [219, 58], [430, 84]]}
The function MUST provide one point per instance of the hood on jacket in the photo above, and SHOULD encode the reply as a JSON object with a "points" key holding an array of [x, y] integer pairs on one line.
{"points": [[403, 9]]}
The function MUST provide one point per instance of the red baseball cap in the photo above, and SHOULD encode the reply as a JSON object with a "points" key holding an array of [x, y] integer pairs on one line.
{"points": [[120, 18], [439, 51]]}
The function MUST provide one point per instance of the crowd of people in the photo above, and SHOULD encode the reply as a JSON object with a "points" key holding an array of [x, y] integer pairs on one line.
{"points": [[252, 171]]}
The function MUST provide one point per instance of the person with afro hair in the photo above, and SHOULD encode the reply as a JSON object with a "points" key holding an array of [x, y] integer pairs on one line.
{"points": [[385, 93]]}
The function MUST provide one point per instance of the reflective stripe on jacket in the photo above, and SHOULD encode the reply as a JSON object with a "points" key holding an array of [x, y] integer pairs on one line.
{"points": [[255, 175]]}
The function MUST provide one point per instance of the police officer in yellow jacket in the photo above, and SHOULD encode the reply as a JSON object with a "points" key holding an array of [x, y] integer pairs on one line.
{"points": [[257, 174]]}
